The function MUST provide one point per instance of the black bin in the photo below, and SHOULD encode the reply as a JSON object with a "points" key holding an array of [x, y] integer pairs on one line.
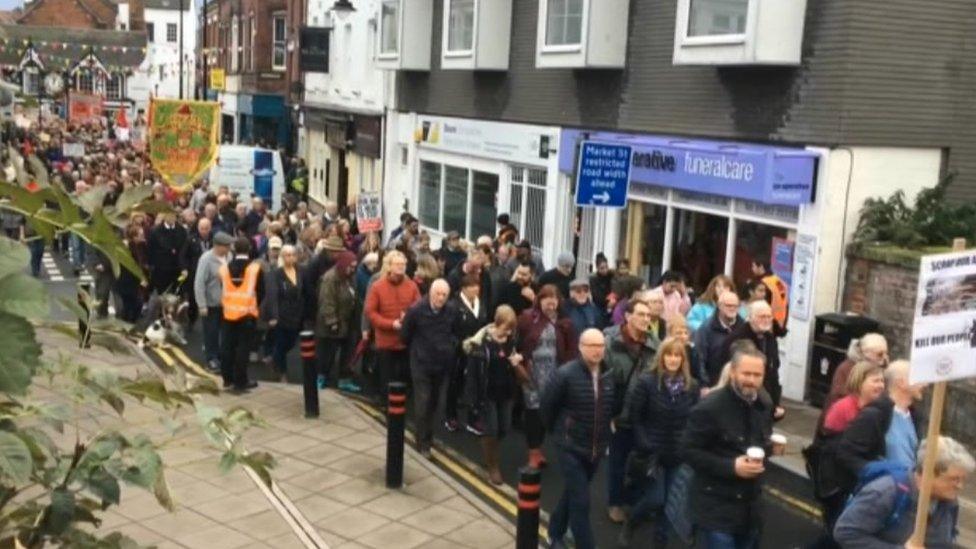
{"points": [[832, 335]]}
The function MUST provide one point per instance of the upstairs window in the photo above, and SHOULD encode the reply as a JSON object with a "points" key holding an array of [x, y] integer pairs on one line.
{"points": [[113, 87], [171, 32], [389, 27], [278, 39], [235, 44], [150, 32], [460, 25], [717, 17], [32, 81], [564, 22]]}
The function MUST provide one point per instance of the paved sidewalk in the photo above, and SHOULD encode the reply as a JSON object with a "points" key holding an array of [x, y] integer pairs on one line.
{"points": [[329, 483]]}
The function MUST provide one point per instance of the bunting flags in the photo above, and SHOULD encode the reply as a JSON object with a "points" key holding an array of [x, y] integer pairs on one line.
{"points": [[183, 139]]}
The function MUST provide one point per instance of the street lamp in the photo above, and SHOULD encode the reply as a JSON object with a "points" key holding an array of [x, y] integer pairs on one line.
{"points": [[342, 8]]}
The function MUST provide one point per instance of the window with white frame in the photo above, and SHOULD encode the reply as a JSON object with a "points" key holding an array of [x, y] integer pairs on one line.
{"points": [[171, 32], [460, 25], [31, 81], [150, 32], [389, 27], [279, 35], [717, 17], [113, 86], [235, 44], [527, 203], [453, 198], [564, 22], [84, 81]]}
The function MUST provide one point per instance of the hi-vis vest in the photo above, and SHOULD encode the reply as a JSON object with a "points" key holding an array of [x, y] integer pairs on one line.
{"points": [[780, 295], [240, 301]]}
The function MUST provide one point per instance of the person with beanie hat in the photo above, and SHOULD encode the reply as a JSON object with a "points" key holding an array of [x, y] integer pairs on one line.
{"points": [[335, 321], [562, 275]]}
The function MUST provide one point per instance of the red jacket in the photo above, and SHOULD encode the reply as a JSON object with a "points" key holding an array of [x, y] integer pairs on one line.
{"points": [[386, 302], [530, 325]]}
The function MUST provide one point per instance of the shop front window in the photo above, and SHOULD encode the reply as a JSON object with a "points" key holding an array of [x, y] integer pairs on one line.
{"points": [[527, 205], [698, 246], [643, 245], [753, 242], [484, 199], [430, 194], [455, 199]]}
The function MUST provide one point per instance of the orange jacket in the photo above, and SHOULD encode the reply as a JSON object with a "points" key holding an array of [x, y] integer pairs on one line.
{"points": [[386, 303]]}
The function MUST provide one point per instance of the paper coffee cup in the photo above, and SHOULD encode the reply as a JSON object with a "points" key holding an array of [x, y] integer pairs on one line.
{"points": [[756, 453], [779, 444]]}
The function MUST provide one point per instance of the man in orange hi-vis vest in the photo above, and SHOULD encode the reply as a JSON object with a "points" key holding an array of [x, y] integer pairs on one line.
{"points": [[779, 294], [243, 291]]}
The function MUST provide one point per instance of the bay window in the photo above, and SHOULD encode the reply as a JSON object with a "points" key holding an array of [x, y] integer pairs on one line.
{"points": [[717, 17], [389, 27], [738, 32], [460, 25], [564, 22]]}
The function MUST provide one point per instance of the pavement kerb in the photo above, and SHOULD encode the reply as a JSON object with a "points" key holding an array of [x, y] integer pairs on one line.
{"points": [[462, 490], [300, 526]]}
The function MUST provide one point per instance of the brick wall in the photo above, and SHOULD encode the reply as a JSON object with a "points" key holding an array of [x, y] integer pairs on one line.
{"points": [[885, 290]]}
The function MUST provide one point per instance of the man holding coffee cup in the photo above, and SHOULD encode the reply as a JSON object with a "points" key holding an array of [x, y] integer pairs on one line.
{"points": [[726, 441]]}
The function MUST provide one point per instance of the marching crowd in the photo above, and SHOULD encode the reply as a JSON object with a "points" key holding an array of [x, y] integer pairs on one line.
{"points": [[676, 389]]}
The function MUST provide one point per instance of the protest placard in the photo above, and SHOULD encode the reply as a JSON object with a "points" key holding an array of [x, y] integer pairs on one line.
{"points": [[369, 212]]}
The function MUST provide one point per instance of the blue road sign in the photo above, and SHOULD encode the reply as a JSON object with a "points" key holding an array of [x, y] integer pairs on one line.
{"points": [[603, 175]]}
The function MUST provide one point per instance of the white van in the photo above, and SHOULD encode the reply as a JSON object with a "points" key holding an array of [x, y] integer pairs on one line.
{"points": [[250, 171]]}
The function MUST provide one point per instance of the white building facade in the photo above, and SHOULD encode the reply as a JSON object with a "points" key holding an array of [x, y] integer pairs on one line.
{"points": [[345, 101], [159, 74]]}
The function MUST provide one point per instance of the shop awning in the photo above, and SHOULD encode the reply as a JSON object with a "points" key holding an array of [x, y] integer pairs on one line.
{"points": [[764, 173]]}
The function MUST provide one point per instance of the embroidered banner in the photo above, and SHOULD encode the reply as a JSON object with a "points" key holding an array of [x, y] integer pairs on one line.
{"points": [[84, 107], [183, 139]]}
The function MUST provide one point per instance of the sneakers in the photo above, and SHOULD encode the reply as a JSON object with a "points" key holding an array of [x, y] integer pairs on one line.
{"points": [[322, 382], [348, 386], [451, 425], [476, 429]]}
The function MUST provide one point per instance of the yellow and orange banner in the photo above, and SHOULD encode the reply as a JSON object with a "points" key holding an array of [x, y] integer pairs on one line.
{"points": [[183, 139]]}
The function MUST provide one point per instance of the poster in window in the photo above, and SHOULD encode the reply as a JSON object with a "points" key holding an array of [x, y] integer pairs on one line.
{"points": [[369, 212]]}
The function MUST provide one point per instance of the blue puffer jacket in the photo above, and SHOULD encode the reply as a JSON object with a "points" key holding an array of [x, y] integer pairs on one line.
{"points": [[658, 418], [578, 416]]}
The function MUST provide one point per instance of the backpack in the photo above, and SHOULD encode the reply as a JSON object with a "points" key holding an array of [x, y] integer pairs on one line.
{"points": [[903, 482]]}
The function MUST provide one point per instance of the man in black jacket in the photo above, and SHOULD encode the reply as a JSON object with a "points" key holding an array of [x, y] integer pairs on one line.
{"points": [[475, 265], [166, 243], [726, 491], [710, 337], [758, 328], [577, 405], [429, 331], [518, 293]]}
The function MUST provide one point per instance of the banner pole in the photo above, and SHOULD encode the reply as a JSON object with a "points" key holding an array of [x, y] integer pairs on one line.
{"points": [[932, 446]]}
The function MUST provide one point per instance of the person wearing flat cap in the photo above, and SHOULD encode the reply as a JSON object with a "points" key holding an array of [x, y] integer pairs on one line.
{"points": [[208, 292], [583, 313], [326, 252]]}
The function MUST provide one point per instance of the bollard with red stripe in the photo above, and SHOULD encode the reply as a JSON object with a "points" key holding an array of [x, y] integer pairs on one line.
{"points": [[529, 494], [309, 373], [84, 330], [396, 419]]}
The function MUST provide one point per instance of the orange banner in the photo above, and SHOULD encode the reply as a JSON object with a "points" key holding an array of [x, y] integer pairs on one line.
{"points": [[85, 107]]}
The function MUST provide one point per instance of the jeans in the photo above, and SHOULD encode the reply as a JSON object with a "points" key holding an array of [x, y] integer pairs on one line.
{"points": [[284, 341], [330, 348], [653, 497], [711, 539], [78, 251], [36, 253], [211, 333], [455, 387], [621, 444], [535, 432], [426, 394], [573, 510], [238, 337]]}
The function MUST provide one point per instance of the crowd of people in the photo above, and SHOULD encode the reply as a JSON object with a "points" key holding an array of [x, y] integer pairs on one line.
{"points": [[677, 389]]}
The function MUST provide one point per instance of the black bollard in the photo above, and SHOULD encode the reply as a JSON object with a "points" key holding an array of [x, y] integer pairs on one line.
{"points": [[396, 414], [309, 373], [84, 330], [529, 494]]}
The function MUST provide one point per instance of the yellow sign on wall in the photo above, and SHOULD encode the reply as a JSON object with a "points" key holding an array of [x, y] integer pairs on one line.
{"points": [[218, 78]]}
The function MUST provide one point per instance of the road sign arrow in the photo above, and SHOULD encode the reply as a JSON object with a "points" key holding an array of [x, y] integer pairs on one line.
{"points": [[605, 197]]}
